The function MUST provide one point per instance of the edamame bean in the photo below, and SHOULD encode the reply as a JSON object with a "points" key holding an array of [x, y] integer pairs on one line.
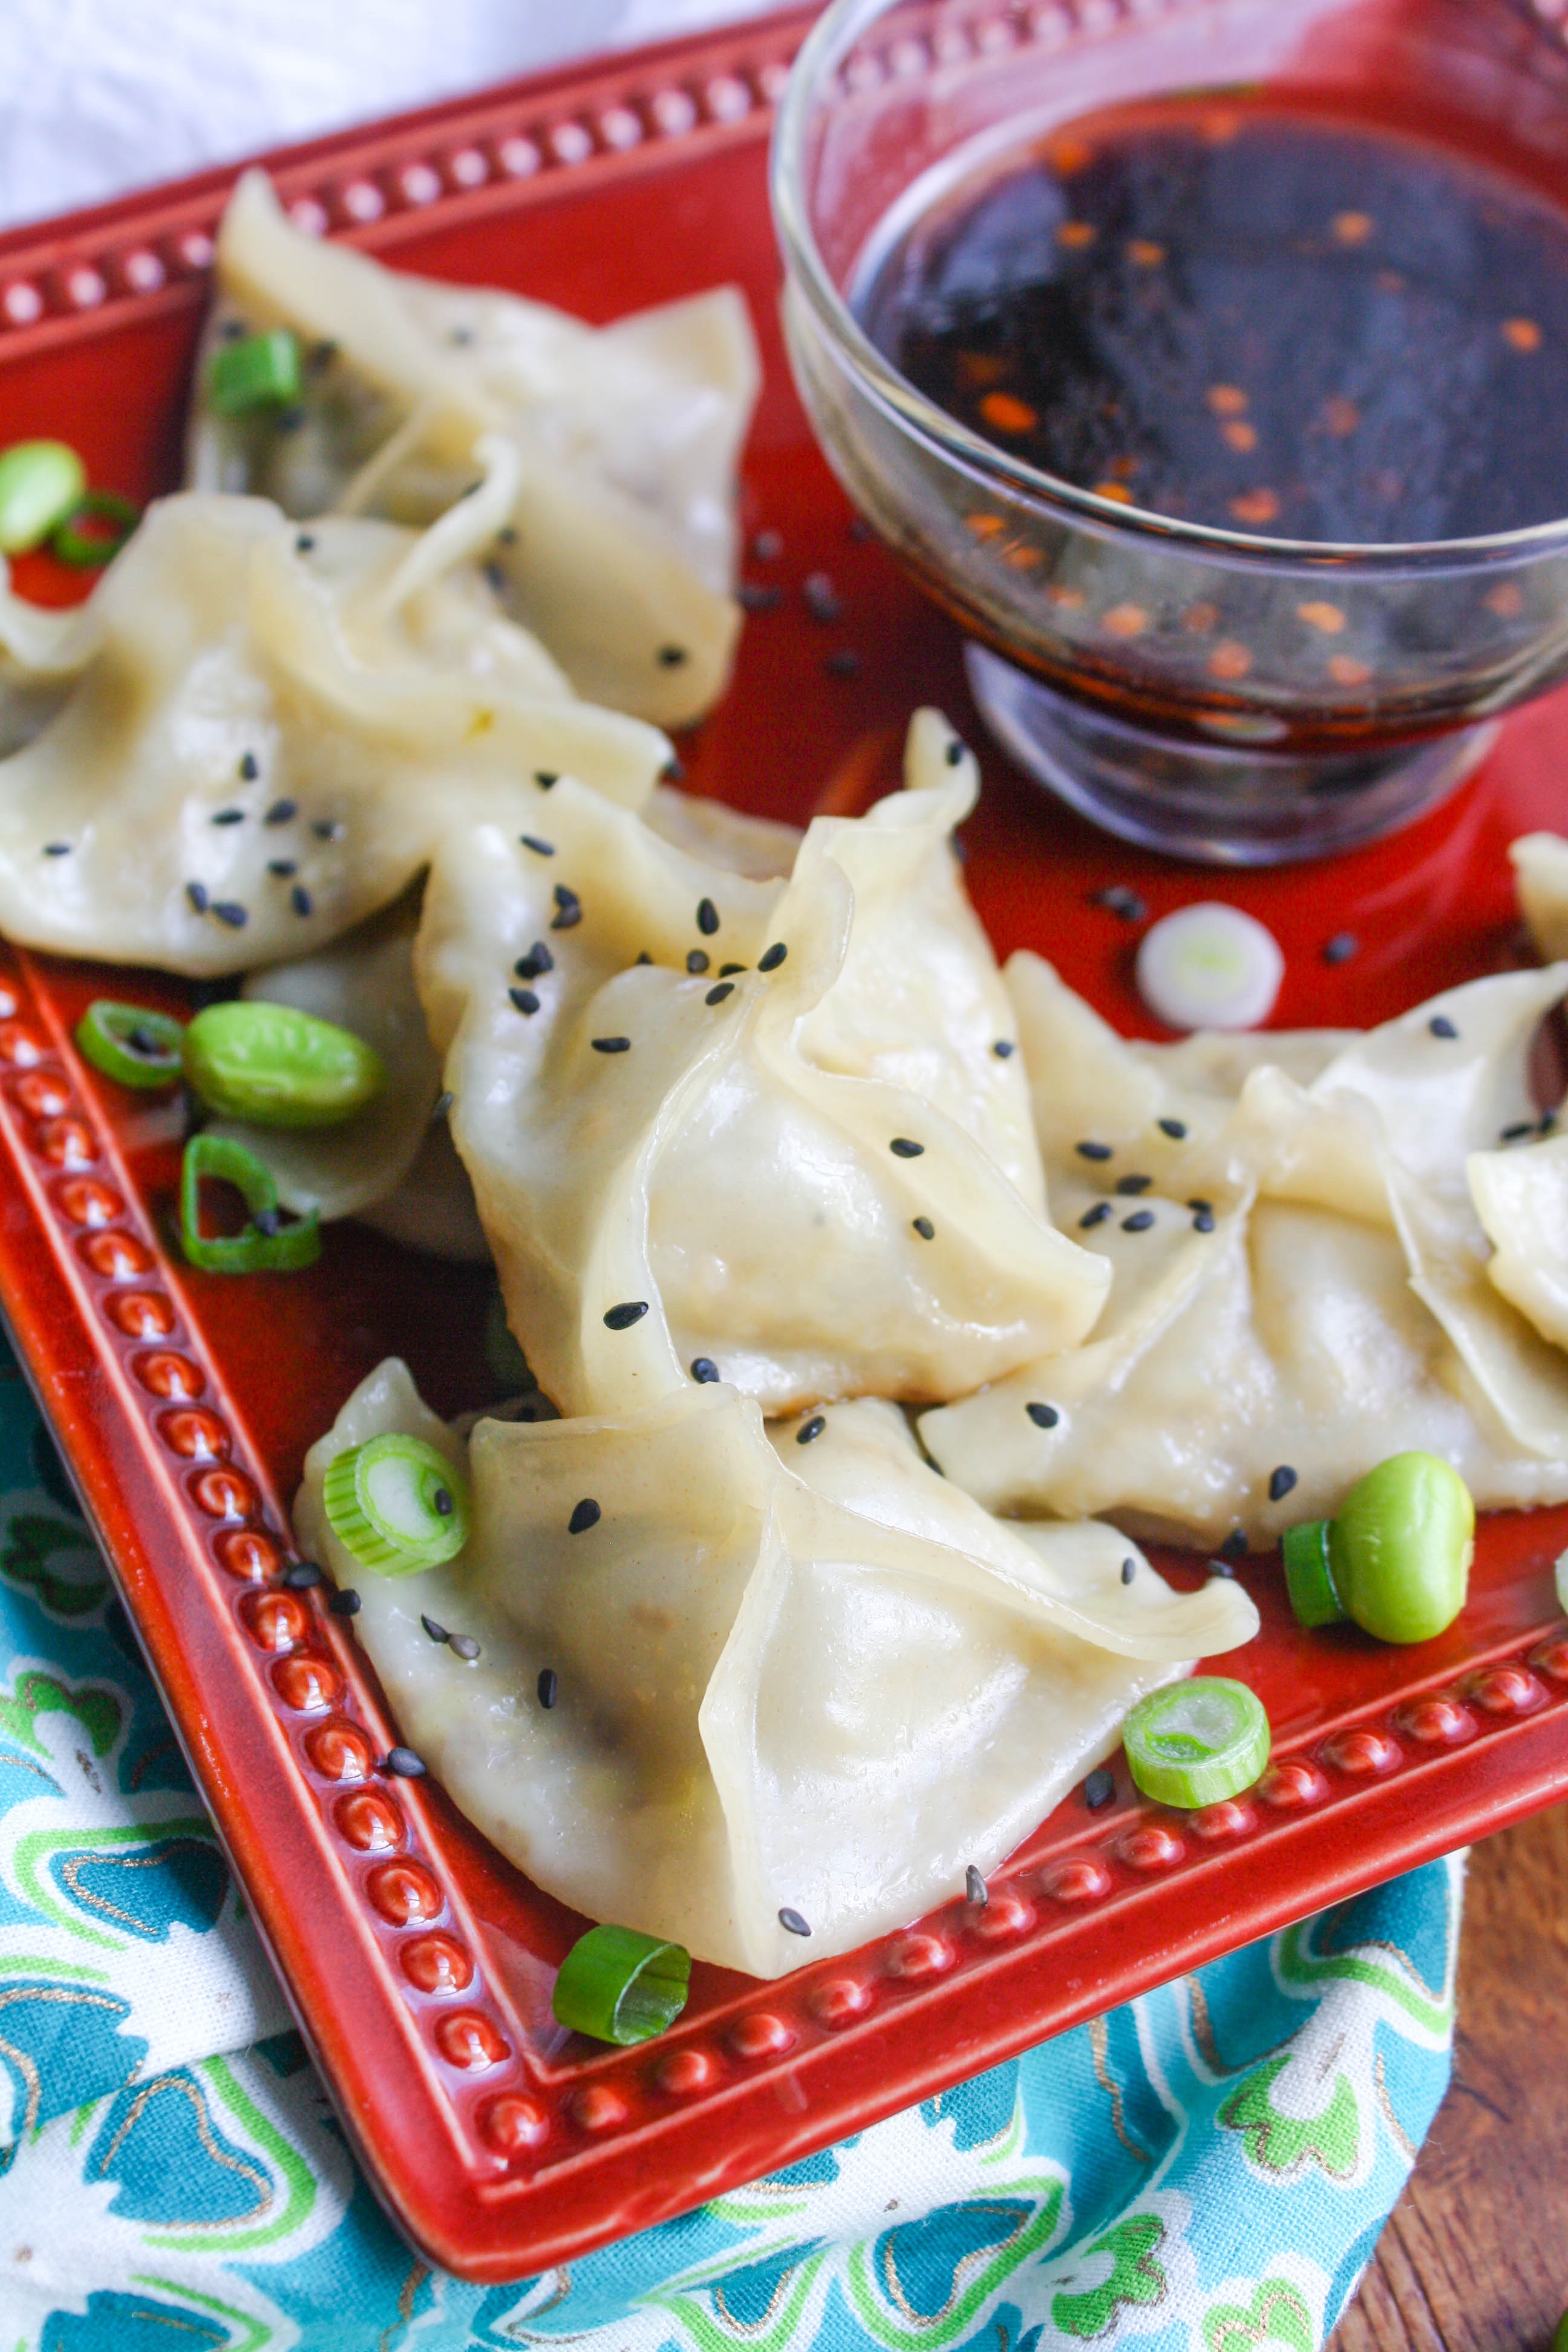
{"points": [[1396, 1559], [275, 1066], [40, 482]]}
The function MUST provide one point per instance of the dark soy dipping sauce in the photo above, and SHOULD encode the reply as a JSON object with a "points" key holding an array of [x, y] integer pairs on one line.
{"points": [[1250, 316]]}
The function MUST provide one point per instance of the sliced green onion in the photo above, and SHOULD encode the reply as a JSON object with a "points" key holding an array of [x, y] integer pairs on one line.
{"points": [[264, 1245], [95, 530], [256, 372], [1310, 1575], [620, 1986], [40, 482], [1209, 966], [278, 1067], [396, 1505], [128, 1043], [1197, 1742]]}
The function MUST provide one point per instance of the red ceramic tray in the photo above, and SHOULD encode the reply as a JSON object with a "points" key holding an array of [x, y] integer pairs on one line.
{"points": [[419, 1964]]}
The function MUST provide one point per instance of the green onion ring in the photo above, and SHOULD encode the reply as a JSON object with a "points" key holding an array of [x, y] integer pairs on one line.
{"points": [[1196, 1742], [396, 1505], [86, 551], [104, 1037], [620, 1986], [257, 372], [40, 483], [255, 1250]]}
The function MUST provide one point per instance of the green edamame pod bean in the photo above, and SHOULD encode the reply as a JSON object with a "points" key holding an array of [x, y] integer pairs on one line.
{"points": [[40, 482], [275, 1066], [1400, 1549]]}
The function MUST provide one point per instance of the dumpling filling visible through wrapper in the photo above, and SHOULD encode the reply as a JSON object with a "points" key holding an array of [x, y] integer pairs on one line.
{"points": [[827, 1683]]}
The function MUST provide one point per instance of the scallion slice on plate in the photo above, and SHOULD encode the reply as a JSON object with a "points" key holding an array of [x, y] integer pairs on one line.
{"points": [[264, 1245], [129, 1045], [620, 1986], [1196, 1742]]}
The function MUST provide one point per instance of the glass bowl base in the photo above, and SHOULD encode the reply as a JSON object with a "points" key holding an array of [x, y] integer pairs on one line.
{"points": [[1231, 805]]}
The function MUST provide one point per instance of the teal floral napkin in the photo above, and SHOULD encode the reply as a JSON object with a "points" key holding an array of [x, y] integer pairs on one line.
{"points": [[1206, 2170]]}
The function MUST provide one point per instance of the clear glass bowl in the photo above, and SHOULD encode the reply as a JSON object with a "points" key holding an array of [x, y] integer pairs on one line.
{"points": [[1158, 673]]}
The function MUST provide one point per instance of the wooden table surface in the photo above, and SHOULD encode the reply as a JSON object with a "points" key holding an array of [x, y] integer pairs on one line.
{"points": [[1475, 2258]]}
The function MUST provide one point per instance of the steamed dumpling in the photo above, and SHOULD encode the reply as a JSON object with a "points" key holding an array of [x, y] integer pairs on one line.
{"points": [[271, 728], [618, 546], [768, 1696], [754, 1160], [1337, 1308]]}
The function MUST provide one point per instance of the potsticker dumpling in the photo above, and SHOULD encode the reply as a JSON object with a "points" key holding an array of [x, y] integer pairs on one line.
{"points": [[618, 546], [766, 1698], [1300, 1281], [271, 728], [758, 1126]]}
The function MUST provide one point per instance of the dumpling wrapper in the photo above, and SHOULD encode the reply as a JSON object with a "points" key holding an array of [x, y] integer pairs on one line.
{"points": [[764, 1699], [1338, 1313], [364, 672], [621, 538], [1521, 1196], [732, 1169]]}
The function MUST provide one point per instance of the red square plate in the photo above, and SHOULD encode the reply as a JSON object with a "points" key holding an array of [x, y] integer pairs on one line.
{"points": [[418, 1962]]}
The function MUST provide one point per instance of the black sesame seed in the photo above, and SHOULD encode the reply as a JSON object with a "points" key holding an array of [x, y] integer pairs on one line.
{"points": [[954, 753], [299, 899], [507, 535], [1280, 1481], [1094, 1151], [405, 1763], [437, 1633], [704, 1369], [282, 866], [844, 663], [231, 330], [464, 1646], [1118, 899], [621, 1317], [924, 1227], [1203, 1221], [196, 893], [537, 960], [974, 1888], [549, 1683], [230, 911], [524, 999], [1520, 1128], [1221, 1567], [442, 1104], [821, 599], [698, 960], [768, 546], [1044, 1416], [611, 1045], [770, 958], [268, 1222], [301, 1575], [1095, 1216], [282, 812], [142, 1041], [249, 767], [345, 1603], [304, 543], [1099, 1789], [227, 816], [1129, 1571], [1174, 1127], [716, 995], [1133, 1185], [442, 1504], [1203, 1208], [57, 849], [327, 828], [585, 1514], [1138, 1223], [809, 1430], [540, 848], [1004, 1049], [568, 910], [707, 917], [726, 969], [546, 778], [1341, 947], [1441, 1026], [754, 597], [495, 576], [673, 770], [1235, 1545], [902, 1149], [671, 657], [643, 958], [791, 1920]]}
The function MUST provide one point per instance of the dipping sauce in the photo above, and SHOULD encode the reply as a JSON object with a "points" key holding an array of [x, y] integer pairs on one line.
{"points": [[1245, 314]]}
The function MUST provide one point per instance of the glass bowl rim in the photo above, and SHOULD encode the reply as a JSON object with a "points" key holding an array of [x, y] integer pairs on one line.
{"points": [[821, 54]]}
